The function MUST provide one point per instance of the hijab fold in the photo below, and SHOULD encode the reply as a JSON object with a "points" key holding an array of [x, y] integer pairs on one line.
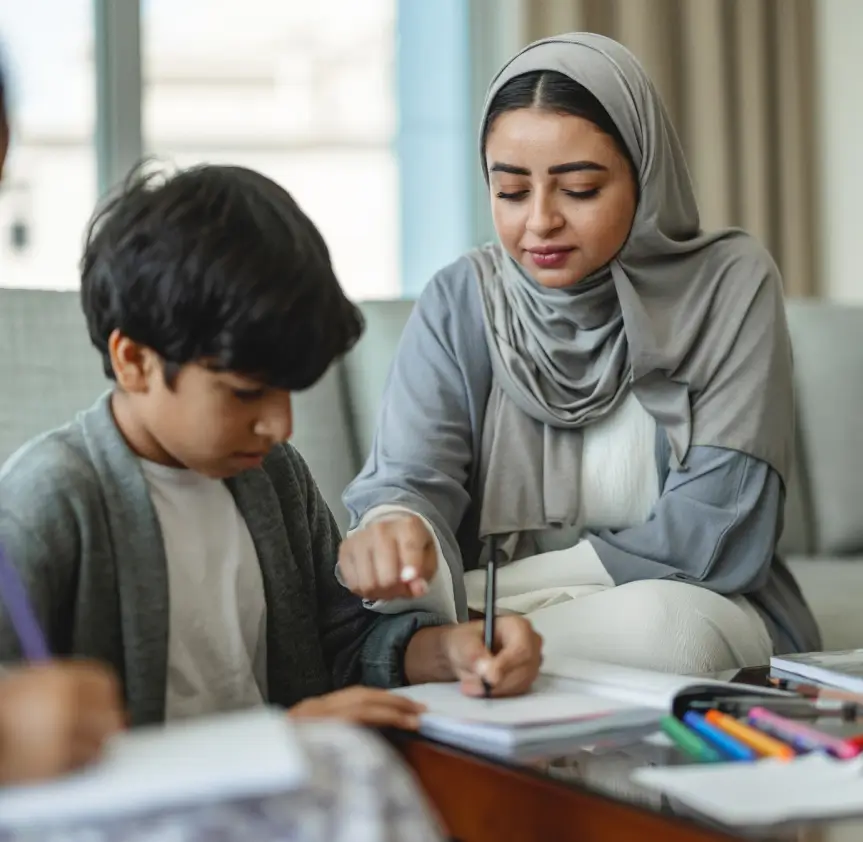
{"points": [[692, 323]]}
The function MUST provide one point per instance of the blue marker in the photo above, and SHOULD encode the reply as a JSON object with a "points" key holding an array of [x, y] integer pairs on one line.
{"points": [[731, 748]]}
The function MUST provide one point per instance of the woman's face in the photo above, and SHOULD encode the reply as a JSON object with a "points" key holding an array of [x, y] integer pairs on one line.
{"points": [[563, 196]]}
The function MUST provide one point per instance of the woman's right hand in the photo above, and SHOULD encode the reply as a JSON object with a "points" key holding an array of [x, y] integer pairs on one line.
{"points": [[390, 558], [362, 706], [55, 717]]}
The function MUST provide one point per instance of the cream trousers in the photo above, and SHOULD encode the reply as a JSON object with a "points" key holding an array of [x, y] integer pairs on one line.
{"points": [[654, 624]]}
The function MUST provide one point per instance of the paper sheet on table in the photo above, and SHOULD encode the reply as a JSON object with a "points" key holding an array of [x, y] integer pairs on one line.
{"points": [[766, 792], [554, 709], [235, 755], [549, 700]]}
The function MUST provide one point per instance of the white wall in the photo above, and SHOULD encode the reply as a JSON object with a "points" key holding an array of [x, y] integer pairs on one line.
{"points": [[839, 34]]}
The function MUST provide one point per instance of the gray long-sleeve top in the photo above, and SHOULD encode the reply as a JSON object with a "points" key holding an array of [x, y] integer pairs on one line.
{"points": [[715, 525], [77, 520]]}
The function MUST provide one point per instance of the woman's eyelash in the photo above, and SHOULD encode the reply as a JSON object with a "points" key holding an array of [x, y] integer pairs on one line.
{"points": [[519, 194], [582, 194], [575, 194]]}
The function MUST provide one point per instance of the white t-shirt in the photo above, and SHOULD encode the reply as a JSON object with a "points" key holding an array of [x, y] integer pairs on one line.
{"points": [[217, 641], [619, 487]]}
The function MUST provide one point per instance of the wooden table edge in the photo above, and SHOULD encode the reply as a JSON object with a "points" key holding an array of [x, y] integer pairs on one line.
{"points": [[488, 800]]}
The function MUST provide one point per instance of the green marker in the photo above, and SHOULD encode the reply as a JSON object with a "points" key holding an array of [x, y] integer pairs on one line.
{"points": [[688, 741]]}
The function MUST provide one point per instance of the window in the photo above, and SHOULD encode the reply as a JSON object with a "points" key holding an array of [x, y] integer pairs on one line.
{"points": [[49, 188], [301, 91]]}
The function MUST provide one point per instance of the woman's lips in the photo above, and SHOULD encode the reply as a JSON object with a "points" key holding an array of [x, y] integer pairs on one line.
{"points": [[550, 258]]}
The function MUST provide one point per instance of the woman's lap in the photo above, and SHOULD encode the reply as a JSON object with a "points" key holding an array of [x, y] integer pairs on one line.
{"points": [[656, 624]]}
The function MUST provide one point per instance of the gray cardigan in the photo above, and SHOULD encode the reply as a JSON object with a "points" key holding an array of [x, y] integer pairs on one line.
{"points": [[715, 525], [77, 521]]}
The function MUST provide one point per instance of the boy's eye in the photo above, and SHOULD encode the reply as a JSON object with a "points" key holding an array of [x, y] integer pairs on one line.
{"points": [[248, 395]]}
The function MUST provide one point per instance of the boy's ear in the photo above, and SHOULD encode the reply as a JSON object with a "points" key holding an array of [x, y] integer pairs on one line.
{"points": [[134, 364]]}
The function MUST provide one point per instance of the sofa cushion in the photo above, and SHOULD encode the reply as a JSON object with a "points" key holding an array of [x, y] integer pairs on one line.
{"points": [[828, 361], [49, 371], [368, 365], [323, 435], [796, 536], [832, 587]]}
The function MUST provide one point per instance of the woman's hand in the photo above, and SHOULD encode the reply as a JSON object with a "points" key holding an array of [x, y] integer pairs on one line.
{"points": [[362, 706], [457, 652], [389, 559], [55, 717]]}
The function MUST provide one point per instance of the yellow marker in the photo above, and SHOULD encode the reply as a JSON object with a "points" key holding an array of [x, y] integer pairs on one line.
{"points": [[760, 742]]}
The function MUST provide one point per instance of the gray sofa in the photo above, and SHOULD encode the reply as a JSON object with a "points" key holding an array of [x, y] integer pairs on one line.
{"points": [[49, 372]]}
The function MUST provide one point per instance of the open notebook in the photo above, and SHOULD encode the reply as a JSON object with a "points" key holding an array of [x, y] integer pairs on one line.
{"points": [[571, 700], [235, 755]]}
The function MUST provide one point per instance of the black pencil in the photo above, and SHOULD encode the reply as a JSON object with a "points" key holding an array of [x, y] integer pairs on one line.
{"points": [[490, 598]]}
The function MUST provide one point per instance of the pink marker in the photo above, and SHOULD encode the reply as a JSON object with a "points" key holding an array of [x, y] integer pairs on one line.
{"points": [[800, 737]]}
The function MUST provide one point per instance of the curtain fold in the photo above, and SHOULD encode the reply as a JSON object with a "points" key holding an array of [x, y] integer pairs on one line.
{"points": [[737, 77]]}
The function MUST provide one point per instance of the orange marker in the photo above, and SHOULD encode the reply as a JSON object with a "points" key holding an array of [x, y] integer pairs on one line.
{"points": [[760, 742]]}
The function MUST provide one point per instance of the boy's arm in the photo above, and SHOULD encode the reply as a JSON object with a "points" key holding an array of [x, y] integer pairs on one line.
{"points": [[43, 490], [41, 564], [360, 646]]}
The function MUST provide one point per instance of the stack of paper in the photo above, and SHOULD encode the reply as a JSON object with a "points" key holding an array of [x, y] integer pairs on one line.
{"points": [[212, 759], [555, 709]]}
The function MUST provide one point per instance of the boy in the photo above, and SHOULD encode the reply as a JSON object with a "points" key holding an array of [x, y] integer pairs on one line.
{"points": [[169, 531]]}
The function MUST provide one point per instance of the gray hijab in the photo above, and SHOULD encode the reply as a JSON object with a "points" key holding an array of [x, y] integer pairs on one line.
{"points": [[692, 323]]}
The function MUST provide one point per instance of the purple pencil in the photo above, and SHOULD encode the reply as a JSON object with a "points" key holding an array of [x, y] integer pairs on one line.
{"points": [[14, 597]]}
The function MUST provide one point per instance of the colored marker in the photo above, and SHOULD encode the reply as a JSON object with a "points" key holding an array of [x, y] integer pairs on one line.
{"points": [[688, 741], [801, 737], [728, 745], [815, 691], [795, 708], [856, 741], [762, 743]]}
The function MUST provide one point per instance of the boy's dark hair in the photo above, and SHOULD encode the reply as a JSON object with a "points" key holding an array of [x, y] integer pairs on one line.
{"points": [[553, 91], [216, 265]]}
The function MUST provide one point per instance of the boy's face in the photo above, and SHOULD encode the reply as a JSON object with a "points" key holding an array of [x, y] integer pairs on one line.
{"points": [[214, 423]]}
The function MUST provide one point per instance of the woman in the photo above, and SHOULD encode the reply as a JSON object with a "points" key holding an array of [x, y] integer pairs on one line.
{"points": [[607, 392]]}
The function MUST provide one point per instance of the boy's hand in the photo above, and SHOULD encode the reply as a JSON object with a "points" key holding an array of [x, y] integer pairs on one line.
{"points": [[362, 706], [54, 718], [444, 653], [389, 559]]}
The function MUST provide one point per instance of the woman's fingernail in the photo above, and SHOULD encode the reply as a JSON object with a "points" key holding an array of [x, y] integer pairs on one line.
{"points": [[408, 574]]}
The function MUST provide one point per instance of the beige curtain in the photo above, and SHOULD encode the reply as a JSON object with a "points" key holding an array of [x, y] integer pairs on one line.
{"points": [[737, 78]]}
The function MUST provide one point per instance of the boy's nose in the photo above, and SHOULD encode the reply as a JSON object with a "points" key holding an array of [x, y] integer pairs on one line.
{"points": [[276, 421]]}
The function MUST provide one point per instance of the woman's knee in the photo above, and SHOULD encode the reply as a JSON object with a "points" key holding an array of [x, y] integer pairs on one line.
{"points": [[693, 629], [657, 624]]}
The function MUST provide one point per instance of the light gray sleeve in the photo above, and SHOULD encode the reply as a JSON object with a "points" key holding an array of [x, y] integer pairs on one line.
{"points": [[431, 412], [716, 524]]}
